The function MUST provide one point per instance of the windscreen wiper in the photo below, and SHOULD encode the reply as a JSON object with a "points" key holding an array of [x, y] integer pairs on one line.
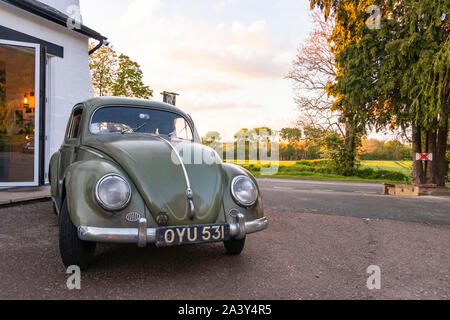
{"points": [[134, 129]]}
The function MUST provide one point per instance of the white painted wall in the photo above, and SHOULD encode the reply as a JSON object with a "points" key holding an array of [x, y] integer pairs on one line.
{"points": [[69, 79]]}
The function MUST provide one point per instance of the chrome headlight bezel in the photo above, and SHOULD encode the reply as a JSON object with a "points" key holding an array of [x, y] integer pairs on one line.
{"points": [[101, 202], [241, 202]]}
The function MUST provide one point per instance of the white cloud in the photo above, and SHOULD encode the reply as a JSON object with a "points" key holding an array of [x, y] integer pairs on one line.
{"points": [[218, 6], [229, 74], [237, 49], [143, 9]]}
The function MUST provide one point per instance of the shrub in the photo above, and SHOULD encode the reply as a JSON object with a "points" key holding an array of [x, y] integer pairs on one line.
{"points": [[366, 173], [253, 169], [327, 170], [369, 173], [304, 162], [296, 168]]}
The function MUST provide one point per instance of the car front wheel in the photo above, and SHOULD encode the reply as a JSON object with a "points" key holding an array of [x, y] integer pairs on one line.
{"points": [[73, 250], [234, 247]]}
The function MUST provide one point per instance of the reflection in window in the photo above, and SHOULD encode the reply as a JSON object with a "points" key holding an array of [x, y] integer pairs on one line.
{"points": [[17, 113], [108, 127]]}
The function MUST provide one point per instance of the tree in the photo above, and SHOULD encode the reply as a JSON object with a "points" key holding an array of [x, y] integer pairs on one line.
{"points": [[398, 75], [292, 135], [211, 137], [314, 73], [128, 82], [295, 145], [103, 66], [244, 134], [260, 135], [288, 152], [414, 80], [330, 145], [117, 75], [293, 148], [374, 149]]}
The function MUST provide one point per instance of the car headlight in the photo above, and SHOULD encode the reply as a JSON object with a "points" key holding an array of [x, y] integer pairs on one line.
{"points": [[244, 191], [112, 192]]}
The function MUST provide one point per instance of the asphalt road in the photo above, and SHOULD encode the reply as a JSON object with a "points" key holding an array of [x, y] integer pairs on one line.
{"points": [[362, 200], [318, 246]]}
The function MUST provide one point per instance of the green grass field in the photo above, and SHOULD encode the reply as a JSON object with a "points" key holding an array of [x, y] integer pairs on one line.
{"points": [[399, 166], [291, 169]]}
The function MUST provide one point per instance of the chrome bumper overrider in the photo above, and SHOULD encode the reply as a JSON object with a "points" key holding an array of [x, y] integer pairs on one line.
{"points": [[143, 235]]}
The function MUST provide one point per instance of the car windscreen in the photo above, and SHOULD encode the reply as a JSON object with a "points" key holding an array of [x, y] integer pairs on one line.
{"points": [[129, 120]]}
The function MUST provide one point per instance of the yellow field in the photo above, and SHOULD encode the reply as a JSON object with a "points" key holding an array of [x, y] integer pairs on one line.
{"points": [[387, 164], [401, 166], [259, 163]]}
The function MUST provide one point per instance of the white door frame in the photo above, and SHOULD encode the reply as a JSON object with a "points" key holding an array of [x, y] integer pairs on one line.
{"points": [[37, 128], [48, 124]]}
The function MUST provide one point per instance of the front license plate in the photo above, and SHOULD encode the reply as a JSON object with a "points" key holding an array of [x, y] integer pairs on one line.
{"points": [[176, 236]]}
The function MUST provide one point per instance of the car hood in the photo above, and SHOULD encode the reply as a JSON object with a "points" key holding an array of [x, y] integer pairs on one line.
{"points": [[161, 181]]}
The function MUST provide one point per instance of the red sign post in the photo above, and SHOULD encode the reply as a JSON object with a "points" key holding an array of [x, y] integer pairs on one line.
{"points": [[424, 157]]}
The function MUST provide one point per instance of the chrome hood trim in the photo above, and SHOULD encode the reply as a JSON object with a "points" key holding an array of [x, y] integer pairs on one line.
{"points": [[158, 176], [189, 192]]}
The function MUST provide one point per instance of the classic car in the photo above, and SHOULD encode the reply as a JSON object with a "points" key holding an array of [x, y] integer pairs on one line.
{"points": [[129, 171]]}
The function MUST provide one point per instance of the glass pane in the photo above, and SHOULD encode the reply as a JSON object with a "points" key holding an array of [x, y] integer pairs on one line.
{"points": [[75, 125], [131, 120], [17, 113], [182, 129]]}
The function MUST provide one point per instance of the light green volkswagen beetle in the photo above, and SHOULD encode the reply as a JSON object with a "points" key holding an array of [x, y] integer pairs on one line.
{"points": [[134, 171]]}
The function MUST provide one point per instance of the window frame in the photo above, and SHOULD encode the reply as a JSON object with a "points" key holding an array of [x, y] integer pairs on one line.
{"points": [[185, 128], [38, 144], [68, 136]]}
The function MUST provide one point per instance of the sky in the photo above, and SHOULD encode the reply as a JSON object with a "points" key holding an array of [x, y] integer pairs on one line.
{"points": [[226, 58]]}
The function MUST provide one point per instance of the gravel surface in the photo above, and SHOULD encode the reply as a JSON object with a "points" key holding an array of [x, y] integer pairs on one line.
{"points": [[300, 256]]}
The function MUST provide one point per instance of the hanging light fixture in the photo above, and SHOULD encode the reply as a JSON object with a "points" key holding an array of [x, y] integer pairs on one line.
{"points": [[25, 99]]}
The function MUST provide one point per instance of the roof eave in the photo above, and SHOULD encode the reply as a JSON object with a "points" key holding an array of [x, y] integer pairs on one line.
{"points": [[60, 18]]}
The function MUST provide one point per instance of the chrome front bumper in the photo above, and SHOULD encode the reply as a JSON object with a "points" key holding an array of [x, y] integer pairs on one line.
{"points": [[143, 235]]}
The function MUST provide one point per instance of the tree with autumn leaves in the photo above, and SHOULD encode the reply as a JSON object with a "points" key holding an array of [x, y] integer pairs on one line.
{"points": [[395, 76], [313, 73]]}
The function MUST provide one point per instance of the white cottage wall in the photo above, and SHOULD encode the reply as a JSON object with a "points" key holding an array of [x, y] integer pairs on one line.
{"points": [[69, 79]]}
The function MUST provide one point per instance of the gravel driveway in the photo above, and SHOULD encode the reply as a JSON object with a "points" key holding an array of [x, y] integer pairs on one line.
{"points": [[300, 256]]}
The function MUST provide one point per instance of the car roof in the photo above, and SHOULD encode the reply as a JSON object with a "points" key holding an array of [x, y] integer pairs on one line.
{"points": [[95, 103]]}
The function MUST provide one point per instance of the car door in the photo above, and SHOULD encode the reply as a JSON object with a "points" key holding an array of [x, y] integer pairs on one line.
{"points": [[69, 148]]}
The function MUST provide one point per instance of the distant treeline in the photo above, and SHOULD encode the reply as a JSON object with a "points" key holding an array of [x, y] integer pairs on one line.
{"points": [[374, 149], [371, 149], [311, 144]]}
